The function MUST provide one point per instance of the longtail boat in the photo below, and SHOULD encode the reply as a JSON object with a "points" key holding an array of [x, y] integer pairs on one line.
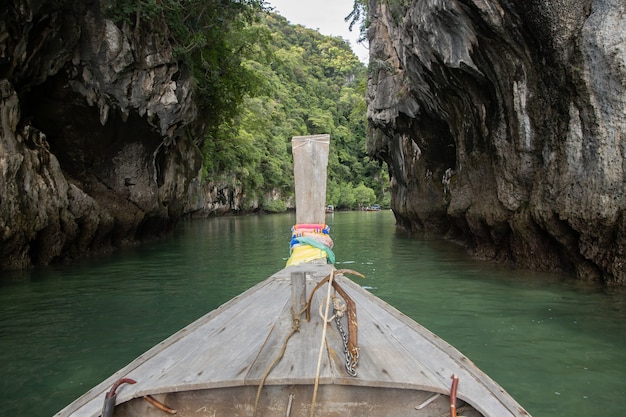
{"points": [[307, 341]]}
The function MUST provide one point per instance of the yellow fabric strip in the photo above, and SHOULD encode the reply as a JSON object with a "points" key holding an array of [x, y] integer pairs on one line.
{"points": [[305, 253]]}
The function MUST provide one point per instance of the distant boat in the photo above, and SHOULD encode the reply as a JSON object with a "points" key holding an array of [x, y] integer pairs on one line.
{"points": [[329, 209], [275, 351], [373, 207]]}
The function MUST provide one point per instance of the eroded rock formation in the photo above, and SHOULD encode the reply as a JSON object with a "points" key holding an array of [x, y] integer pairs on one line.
{"points": [[94, 151], [504, 124]]}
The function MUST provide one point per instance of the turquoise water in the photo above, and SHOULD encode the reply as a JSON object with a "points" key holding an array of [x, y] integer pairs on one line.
{"points": [[556, 346]]}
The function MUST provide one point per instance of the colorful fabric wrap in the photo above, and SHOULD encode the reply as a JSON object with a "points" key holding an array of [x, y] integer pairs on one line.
{"points": [[310, 242]]}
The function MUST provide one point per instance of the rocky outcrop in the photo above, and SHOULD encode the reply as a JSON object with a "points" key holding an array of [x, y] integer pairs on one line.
{"points": [[95, 142], [504, 124]]}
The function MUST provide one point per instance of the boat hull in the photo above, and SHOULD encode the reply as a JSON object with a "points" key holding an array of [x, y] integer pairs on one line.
{"points": [[296, 401], [274, 350], [225, 355]]}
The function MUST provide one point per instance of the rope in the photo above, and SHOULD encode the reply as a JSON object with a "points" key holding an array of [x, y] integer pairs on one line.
{"points": [[308, 142], [295, 327], [339, 306], [319, 358], [350, 338]]}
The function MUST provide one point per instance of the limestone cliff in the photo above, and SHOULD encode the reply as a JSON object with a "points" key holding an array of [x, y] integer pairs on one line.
{"points": [[504, 124], [95, 149]]}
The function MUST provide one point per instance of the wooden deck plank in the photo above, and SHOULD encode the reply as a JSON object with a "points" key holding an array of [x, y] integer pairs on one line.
{"points": [[272, 348], [383, 362], [220, 352], [383, 359], [387, 342], [299, 363]]}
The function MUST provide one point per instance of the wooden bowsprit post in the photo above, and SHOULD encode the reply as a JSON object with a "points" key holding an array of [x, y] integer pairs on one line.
{"points": [[310, 239], [310, 160]]}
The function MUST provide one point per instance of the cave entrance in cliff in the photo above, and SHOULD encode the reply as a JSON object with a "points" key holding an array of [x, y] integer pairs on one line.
{"points": [[434, 139], [81, 143]]}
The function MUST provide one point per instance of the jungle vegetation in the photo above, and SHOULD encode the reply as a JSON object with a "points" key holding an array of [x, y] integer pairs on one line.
{"points": [[260, 81]]}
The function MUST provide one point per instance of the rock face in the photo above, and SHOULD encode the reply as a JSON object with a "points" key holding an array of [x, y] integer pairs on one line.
{"points": [[94, 149], [504, 124]]}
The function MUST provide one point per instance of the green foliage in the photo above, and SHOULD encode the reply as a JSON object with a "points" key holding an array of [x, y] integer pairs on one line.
{"points": [[364, 195], [260, 81], [133, 11], [274, 206], [314, 84]]}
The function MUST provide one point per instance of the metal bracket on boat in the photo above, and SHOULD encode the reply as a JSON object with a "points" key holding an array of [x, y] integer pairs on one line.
{"points": [[159, 404], [109, 399], [453, 389], [350, 338]]}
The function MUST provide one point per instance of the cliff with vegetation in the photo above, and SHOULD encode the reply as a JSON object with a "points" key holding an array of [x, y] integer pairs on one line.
{"points": [[504, 126], [120, 117], [102, 121], [92, 149], [312, 84]]}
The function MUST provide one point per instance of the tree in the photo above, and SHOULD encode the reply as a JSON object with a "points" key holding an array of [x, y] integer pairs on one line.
{"points": [[347, 199], [364, 196], [312, 84]]}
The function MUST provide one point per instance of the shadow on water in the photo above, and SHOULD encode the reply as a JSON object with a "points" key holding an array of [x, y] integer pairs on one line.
{"points": [[555, 345]]}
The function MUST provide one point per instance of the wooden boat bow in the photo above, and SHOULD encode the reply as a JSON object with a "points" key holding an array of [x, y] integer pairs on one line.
{"points": [[225, 363]]}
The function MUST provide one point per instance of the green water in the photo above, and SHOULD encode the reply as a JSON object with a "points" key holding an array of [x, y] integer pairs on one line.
{"points": [[557, 347]]}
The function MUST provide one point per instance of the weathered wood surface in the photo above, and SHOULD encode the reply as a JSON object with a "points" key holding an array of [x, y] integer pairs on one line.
{"points": [[296, 401], [234, 345], [310, 161]]}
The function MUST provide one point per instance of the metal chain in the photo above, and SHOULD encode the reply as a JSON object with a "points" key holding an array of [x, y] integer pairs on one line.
{"points": [[351, 361]]}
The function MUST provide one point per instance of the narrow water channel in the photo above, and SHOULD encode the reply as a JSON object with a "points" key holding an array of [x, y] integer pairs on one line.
{"points": [[556, 346]]}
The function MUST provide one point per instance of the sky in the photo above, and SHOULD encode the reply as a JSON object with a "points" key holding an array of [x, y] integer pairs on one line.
{"points": [[326, 16]]}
